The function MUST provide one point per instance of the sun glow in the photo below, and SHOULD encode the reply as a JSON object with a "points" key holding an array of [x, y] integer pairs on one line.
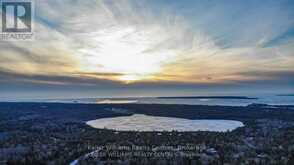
{"points": [[130, 78], [126, 51]]}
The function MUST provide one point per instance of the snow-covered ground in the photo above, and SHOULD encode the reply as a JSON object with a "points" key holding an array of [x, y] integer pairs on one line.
{"points": [[138, 122]]}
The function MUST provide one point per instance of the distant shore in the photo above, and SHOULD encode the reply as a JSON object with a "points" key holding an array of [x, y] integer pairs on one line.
{"points": [[209, 97], [286, 95]]}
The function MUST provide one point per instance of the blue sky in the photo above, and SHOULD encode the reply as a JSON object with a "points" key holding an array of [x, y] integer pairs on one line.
{"points": [[152, 47], [225, 19]]}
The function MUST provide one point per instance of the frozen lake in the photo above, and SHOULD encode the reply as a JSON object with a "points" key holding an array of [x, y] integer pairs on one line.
{"points": [[138, 122]]}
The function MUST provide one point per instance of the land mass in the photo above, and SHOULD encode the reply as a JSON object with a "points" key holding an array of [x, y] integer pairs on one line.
{"points": [[56, 133], [208, 97], [286, 95]]}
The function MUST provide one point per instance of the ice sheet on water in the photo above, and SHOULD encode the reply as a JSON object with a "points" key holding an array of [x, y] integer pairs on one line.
{"points": [[138, 122]]}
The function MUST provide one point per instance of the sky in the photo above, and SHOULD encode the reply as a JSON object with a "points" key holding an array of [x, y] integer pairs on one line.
{"points": [[111, 48]]}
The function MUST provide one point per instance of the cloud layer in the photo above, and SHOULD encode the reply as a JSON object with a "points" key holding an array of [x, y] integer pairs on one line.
{"points": [[111, 43]]}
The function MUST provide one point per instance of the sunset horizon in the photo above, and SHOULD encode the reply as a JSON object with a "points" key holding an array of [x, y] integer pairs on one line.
{"points": [[88, 47]]}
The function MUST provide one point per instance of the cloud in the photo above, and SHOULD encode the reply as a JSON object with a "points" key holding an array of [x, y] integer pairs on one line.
{"points": [[10, 81], [109, 43]]}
